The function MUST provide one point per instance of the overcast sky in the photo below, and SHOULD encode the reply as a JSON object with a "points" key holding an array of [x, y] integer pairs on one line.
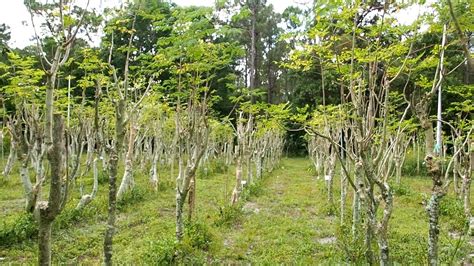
{"points": [[14, 14]]}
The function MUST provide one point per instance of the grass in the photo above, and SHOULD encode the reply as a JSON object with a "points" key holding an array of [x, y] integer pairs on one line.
{"points": [[284, 219]]}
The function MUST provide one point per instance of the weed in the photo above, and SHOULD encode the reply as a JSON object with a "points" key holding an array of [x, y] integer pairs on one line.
{"points": [[161, 252], [401, 189], [198, 236], [351, 245], [131, 197], [229, 215], [21, 228], [452, 212]]}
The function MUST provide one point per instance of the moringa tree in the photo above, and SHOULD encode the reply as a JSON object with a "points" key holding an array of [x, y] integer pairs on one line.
{"points": [[367, 59], [63, 21]]}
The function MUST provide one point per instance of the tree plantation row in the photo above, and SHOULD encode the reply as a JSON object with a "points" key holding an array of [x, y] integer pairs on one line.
{"points": [[171, 92]]}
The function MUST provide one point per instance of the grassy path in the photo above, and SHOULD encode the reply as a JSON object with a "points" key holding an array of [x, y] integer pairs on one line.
{"points": [[284, 222]]}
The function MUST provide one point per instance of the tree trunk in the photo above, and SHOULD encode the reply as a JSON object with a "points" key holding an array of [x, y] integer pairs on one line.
{"points": [[113, 169], [127, 180], [238, 178], [180, 199], [344, 184], [86, 199], [154, 179], [398, 169], [30, 191], [383, 225], [192, 197], [437, 193], [370, 224], [11, 158], [253, 48], [109, 233], [57, 194], [467, 196], [356, 204], [329, 177], [433, 213], [44, 242]]}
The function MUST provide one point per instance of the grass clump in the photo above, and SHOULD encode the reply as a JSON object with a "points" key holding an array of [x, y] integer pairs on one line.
{"points": [[401, 189], [211, 168], [351, 246], [452, 212], [18, 229], [229, 215], [198, 236], [161, 252], [193, 249], [132, 197]]}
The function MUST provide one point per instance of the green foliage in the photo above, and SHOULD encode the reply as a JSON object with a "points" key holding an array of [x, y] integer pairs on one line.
{"points": [[131, 197], [198, 235], [401, 189], [351, 245], [252, 190], [216, 166], [166, 184], [24, 80], [70, 216], [219, 166], [161, 252], [329, 209], [197, 240], [103, 178], [18, 229], [229, 215], [408, 248], [452, 212], [410, 166]]}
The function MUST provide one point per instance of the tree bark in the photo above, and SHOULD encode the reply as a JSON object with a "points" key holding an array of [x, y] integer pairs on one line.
{"points": [[11, 158], [113, 169], [437, 193], [44, 242], [57, 194], [127, 180]]}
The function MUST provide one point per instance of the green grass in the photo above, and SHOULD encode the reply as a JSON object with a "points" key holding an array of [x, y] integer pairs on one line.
{"points": [[285, 219]]}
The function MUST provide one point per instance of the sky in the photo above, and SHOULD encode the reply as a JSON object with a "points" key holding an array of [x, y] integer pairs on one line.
{"points": [[15, 15]]}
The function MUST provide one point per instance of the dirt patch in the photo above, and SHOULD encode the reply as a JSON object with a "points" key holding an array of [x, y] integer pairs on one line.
{"points": [[251, 207], [327, 240], [11, 206], [164, 212], [454, 234], [228, 243]]}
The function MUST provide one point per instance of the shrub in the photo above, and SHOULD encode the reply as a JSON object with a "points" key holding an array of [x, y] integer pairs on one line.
{"points": [[21, 228], [252, 190], [71, 216], [408, 248], [410, 165], [216, 166], [131, 197], [219, 166], [401, 189], [351, 246], [228, 215], [452, 211], [103, 178], [192, 250], [164, 185], [329, 210], [198, 236], [162, 252]]}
